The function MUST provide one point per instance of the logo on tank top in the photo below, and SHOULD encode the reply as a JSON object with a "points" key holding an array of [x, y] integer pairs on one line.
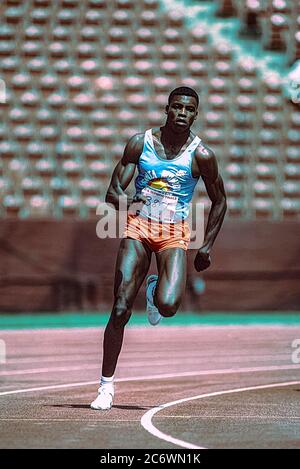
{"points": [[161, 202], [168, 181]]}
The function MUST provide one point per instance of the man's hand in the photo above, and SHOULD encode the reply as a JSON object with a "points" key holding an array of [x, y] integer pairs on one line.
{"points": [[135, 204], [202, 260]]}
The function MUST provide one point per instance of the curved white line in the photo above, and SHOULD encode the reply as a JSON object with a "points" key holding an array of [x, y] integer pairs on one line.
{"points": [[146, 420], [156, 377]]}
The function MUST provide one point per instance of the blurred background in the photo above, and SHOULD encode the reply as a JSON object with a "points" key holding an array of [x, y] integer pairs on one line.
{"points": [[79, 77]]}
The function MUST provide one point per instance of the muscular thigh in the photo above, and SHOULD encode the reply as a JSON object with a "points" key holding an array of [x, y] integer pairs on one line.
{"points": [[171, 264], [132, 265]]}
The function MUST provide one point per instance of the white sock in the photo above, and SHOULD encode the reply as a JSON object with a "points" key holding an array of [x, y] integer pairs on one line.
{"points": [[105, 381]]}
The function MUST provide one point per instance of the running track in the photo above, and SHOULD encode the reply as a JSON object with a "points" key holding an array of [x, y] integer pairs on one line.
{"points": [[237, 387]]}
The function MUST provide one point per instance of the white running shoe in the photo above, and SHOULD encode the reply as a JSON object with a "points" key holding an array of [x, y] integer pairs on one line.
{"points": [[104, 400], [153, 314]]}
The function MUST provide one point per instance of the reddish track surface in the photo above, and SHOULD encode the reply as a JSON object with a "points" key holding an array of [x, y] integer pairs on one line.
{"points": [[191, 361]]}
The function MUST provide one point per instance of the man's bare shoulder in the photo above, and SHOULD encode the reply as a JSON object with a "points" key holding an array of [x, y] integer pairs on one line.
{"points": [[204, 152], [206, 162], [136, 140], [133, 149]]}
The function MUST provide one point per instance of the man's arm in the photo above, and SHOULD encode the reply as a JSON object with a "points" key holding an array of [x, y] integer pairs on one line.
{"points": [[124, 171], [208, 168]]}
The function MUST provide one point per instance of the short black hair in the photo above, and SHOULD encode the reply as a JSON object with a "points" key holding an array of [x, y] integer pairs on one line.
{"points": [[183, 91]]}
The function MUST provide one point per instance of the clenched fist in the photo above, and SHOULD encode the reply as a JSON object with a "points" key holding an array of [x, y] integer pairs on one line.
{"points": [[202, 260]]}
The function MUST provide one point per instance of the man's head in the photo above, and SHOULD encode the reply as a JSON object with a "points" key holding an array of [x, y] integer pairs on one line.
{"points": [[182, 108]]}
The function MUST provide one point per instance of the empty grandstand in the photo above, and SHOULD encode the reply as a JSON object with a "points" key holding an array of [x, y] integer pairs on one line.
{"points": [[82, 77], [78, 78]]}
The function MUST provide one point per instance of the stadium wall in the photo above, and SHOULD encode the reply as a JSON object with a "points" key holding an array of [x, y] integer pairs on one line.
{"points": [[53, 265]]}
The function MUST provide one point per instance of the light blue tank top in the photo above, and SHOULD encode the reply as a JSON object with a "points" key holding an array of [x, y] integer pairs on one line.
{"points": [[167, 184]]}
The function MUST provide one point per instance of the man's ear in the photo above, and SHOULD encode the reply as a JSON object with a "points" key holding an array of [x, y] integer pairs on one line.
{"points": [[167, 109], [196, 116]]}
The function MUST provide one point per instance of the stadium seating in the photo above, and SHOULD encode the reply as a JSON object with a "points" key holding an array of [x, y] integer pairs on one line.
{"points": [[86, 76]]}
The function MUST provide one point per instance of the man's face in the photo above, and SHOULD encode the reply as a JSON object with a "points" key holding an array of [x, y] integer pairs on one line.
{"points": [[182, 111]]}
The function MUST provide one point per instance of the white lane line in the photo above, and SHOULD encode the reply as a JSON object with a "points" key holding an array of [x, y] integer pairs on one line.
{"points": [[146, 420], [48, 370], [159, 376], [47, 388], [83, 367], [48, 420]]}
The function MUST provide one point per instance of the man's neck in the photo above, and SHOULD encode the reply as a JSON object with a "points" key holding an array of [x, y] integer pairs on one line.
{"points": [[170, 138]]}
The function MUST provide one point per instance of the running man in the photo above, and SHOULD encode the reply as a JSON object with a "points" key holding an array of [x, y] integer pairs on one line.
{"points": [[170, 161]]}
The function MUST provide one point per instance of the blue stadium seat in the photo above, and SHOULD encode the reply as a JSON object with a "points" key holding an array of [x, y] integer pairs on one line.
{"points": [[31, 48], [45, 115], [36, 150], [7, 48], [142, 51], [6, 32], [90, 67], [21, 80], [199, 35], [172, 36], [76, 82], [23, 132], [134, 84], [121, 18], [12, 205], [68, 206], [293, 154], [18, 115], [90, 204], [290, 207], [264, 188], [236, 171], [104, 134], [264, 208], [99, 170], [292, 171], [92, 151], [49, 81], [89, 34], [63, 66], [291, 189], [30, 98], [31, 186], [118, 35], [39, 206], [14, 15], [266, 171], [40, 15], [37, 65], [218, 102], [58, 49], [267, 153], [10, 64], [56, 100], [175, 18], [46, 169], [62, 33], [49, 133]]}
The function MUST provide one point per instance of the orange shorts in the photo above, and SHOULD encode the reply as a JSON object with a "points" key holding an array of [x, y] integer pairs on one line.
{"points": [[156, 235]]}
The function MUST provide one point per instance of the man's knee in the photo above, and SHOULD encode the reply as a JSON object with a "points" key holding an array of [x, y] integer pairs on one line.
{"points": [[121, 313], [167, 306]]}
